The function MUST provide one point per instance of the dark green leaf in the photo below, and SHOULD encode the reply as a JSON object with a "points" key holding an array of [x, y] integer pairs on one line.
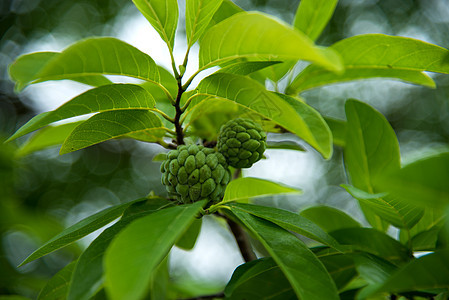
{"points": [[328, 218], [340, 267], [199, 13], [372, 268], [247, 67], [58, 286], [306, 274], [137, 250], [259, 279], [79, 230], [378, 55], [162, 15], [257, 35], [111, 124], [338, 129], [313, 15], [188, 239]]}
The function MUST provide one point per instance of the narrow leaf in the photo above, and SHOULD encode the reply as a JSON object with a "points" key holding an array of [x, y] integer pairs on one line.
{"points": [[95, 56], [104, 98], [285, 145], [378, 55], [199, 13], [328, 218], [79, 230], [289, 221], [58, 286], [313, 15], [162, 15], [297, 117], [136, 251], [247, 67], [25, 69], [259, 36], [304, 271], [108, 125]]}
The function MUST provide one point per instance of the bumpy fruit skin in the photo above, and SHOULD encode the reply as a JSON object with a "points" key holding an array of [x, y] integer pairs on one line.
{"points": [[242, 142], [193, 173]]}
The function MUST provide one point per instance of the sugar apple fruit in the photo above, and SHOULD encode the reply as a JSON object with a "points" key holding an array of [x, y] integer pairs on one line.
{"points": [[192, 173], [242, 142]]}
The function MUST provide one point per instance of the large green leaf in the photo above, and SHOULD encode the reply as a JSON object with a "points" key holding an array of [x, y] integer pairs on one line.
{"points": [[226, 9], [259, 279], [247, 67], [372, 268], [111, 124], [199, 13], [401, 214], [136, 251], [162, 15], [25, 69], [248, 187], [297, 117], [372, 241], [328, 218], [289, 221], [378, 55], [79, 230], [425, 181], [104, 98], [188, 239], [306, 274], [88, 274], [58, 286], [96, 56], [259, 36], [47, 137], [313, 15], [341, 268]]}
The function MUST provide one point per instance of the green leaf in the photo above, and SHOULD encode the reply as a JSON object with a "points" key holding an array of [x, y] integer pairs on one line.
{"points": [[289, 221], [47, 137], [88, 275], [199, 13], [341, 268], [248, 187], [136, 251], [338, 129], [79, 230], [372, 241], [96, 56], [247, 67], [226, 9], [372, 268], [188, 239], [259, 36], [162, 15], [108, 125], [378, 55], [401, 214], [425, 181], [25, 69], [104, 98], [58, 286], [427, 272], [328, 218], [286, 145], [313, 15], [304, 271], [300, 118], [259, 279]]}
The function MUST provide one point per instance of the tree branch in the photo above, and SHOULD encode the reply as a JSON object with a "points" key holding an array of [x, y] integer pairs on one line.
{"points": [[242, 240]]}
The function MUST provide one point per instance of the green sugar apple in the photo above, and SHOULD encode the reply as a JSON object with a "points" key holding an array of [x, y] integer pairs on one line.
{"points": [[242, 142], [193, 173]]}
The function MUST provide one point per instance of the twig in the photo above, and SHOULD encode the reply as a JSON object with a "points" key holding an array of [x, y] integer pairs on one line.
{"points": [[218, 295], [242, 240]]}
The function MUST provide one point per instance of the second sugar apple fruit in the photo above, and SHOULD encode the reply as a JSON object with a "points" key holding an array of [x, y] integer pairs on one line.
{"points": [[242, 142], [193, 173]]}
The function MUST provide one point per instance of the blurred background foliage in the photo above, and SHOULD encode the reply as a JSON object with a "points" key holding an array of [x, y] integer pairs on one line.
{"points": [[43, 192]]}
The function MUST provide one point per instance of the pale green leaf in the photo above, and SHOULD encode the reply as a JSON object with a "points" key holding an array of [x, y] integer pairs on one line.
{"points": [[306, 274], [79, 230], [109, 125], [188, 239], [58, 286], [199, 13], [137, 250], [296, 117], [26, 68], [289, 221], [96, 56], [313, 15], [285, 145], [47, 137], [338, 129], [88, 275], [226, 9], [162, 15], [246, 67], [378, 55], [104, 98], [328, 218], [259, 36]]}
